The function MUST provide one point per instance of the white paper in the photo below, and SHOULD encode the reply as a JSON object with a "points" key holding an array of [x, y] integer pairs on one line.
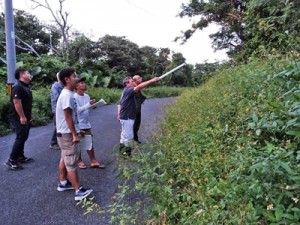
{"points": [[86, 142], [99, 103]]}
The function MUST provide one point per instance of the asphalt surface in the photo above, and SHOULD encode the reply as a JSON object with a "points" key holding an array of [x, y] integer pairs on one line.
{"points": [[30, 197]]}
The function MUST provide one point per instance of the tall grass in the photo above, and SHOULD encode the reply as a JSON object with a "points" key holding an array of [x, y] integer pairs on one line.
{"points": [[227, 151]]}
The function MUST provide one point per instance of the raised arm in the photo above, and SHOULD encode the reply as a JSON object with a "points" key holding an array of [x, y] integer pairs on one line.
{"points": [[145, 84]]}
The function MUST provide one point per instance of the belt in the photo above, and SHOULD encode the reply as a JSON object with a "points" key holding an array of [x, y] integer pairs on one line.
{"points": [[64, 134]]}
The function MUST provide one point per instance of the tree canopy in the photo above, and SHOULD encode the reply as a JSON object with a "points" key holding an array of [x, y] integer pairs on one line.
{"points": [[246, 26]]}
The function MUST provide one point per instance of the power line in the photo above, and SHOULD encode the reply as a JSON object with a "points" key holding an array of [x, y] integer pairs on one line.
{"points": [[138, 7]]}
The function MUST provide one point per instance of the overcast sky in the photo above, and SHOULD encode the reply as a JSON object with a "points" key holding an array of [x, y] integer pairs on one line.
{"points": [[144, 22]]}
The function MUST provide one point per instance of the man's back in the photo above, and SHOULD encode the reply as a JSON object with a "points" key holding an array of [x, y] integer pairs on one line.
{"points": [[56, 89]]}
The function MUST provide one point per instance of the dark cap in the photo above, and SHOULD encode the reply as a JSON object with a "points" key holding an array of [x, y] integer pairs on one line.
{"points": [[81, 79]]}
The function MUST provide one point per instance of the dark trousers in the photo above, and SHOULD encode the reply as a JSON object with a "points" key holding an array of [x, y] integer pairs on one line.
{"points": [[22, 133], [54, 135], [136, 126]]}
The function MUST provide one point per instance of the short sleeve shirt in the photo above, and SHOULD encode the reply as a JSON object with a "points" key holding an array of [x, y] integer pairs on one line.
{"points": [[66, 100], [128, 107], [21, 91], [83, 103]]}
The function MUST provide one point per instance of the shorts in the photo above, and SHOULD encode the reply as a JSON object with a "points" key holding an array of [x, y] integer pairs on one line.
{"points": [[69, 151]]}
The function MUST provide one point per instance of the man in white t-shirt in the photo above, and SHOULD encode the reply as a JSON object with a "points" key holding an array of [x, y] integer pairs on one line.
{"points": [[84, 103], [67, 135]]}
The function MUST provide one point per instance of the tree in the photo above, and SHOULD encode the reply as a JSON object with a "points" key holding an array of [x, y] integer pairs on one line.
{"points": [[228, 14], [149, 58], [202, 72], [82, 48], [61, 20], [121, 54], [32, 36], [248, 27], [163, 60], [180, 77], [156, 60]]}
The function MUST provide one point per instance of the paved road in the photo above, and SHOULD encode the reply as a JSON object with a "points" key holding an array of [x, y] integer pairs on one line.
{"points": [[30, 197]]}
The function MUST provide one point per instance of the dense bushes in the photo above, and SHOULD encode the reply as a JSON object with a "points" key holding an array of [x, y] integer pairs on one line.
{"points": [[228, 152]]}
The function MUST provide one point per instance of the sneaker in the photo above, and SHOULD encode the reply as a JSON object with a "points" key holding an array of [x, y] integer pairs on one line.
{"points": [[24, 159], [13, 165], [82, 193], [66, 187], [54, 146]]}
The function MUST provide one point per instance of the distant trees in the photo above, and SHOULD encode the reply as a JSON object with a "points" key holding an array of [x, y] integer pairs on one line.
{"points": [[104, 62]]}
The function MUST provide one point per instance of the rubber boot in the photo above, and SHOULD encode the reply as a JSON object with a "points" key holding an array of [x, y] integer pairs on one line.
{"points": [[125, 151]]}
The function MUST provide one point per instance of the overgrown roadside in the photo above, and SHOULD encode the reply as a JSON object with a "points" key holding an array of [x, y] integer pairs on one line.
{"points": [[228, 153]]}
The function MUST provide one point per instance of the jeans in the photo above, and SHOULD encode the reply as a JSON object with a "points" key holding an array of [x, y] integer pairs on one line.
{"points": [[22, 133], [136, 126], [54, 135]]}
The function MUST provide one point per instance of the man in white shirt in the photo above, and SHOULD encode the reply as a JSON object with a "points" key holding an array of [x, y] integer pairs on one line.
{"points": [[67, 136]]}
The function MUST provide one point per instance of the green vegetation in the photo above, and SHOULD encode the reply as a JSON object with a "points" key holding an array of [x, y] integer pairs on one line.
{"points": [[228, 152]]}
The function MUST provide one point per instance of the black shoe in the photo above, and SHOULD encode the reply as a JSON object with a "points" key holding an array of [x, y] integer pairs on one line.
{"points": [[54, 146], [24, 159], [13, 165]]}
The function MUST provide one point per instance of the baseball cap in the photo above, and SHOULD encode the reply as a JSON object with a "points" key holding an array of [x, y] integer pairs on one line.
{"points": [[81, 79]]}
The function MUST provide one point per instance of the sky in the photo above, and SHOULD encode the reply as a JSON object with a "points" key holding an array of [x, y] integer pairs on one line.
{"points": [[145, 22]]}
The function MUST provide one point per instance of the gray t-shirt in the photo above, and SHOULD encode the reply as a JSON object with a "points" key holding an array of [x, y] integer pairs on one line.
{"points": [[66, 100], [128, 107]]}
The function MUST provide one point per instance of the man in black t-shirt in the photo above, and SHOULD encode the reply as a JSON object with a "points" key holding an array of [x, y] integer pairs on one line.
{"points": [[20, 118], [139, 100], [127, 112]]}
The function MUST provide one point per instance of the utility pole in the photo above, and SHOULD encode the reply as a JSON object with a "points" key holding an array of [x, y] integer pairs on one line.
{"points": [[10, 45]]}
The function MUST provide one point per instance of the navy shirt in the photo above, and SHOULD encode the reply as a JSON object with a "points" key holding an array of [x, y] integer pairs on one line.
{"points": [[128, 107], [21, 91]]}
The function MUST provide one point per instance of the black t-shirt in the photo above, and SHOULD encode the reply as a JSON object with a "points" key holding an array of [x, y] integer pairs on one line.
{"points": [[21, 91], [128, 107], [139, 100]]}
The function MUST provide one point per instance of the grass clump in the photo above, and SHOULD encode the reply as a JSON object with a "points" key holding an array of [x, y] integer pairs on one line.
{"points": [[228, 152]]}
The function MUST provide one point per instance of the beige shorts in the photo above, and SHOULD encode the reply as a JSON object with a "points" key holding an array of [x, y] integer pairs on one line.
{"points": [[69, 151]]}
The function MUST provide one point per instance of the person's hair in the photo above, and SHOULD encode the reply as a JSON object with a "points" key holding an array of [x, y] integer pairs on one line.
{"points": [[67, 72], [18, 72], [135, 77], [126, 80]]}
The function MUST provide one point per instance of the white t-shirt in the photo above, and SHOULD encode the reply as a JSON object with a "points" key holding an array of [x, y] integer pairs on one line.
{"points": [[66, 100], [83, 109]]}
